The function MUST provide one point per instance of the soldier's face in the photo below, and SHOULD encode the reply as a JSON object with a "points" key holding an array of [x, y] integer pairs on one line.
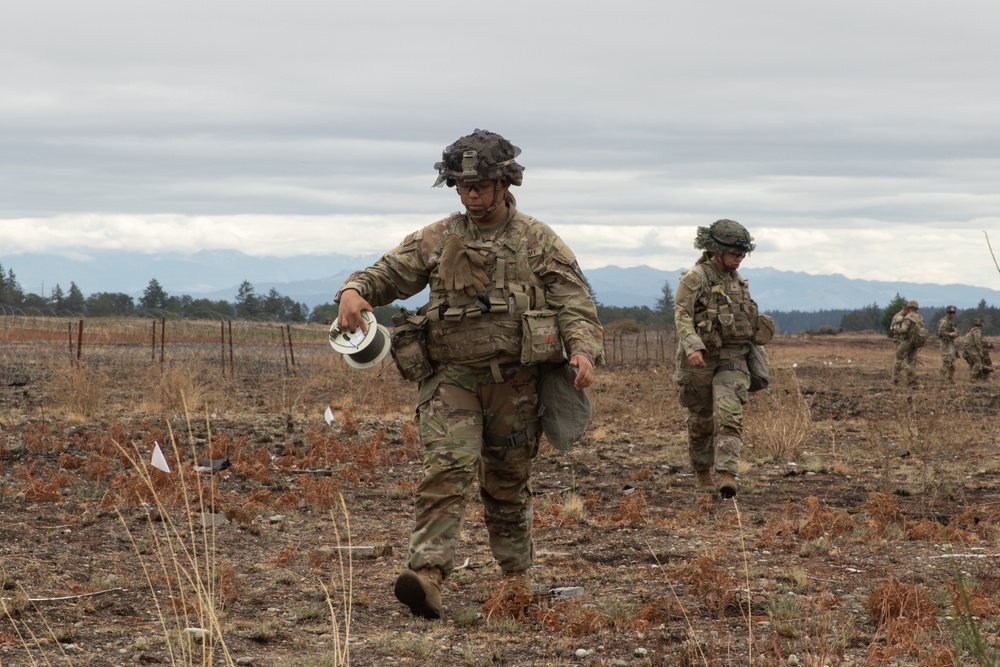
{"points": [[731, 260], [479, 196]]}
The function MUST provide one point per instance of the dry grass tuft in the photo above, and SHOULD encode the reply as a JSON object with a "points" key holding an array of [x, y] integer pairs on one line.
{"points": [[779, 421], [894, 601], [715, 586], [819, 522]]}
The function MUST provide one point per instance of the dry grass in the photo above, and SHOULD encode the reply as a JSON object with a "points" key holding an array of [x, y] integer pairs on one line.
{"points": [[835, 559]]}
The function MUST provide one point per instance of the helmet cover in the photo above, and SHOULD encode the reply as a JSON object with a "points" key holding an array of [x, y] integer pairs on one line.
{"points": [[480, 156], [724, 236]]}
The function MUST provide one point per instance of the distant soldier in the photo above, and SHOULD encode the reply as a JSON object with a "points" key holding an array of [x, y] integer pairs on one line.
{"points": [[947, 332], [977, 352], [910, 334]]}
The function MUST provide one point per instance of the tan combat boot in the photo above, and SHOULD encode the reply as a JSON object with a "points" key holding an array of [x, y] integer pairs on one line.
{"points": [[703, 479], [420, 590], [515, 584], [727, 485]]}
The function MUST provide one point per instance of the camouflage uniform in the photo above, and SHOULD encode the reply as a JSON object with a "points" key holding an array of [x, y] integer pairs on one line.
{"points": [[946, 333], [477, 413], [905, 361], [977, 354], [714, 395]]}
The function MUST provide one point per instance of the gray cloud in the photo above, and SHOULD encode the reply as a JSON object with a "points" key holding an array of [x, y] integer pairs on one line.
{"points": [[840, 132]]}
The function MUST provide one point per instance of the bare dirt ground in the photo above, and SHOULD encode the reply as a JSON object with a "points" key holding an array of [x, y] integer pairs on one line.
{"points": [[865, 532]]}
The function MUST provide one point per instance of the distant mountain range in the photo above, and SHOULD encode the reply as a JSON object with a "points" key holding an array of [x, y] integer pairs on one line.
{"points": [[314, 279]]}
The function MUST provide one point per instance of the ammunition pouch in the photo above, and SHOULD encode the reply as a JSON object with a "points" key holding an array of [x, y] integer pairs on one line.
{"points": [[409, 346]]}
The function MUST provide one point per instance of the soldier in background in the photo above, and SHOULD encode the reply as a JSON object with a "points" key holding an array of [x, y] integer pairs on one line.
{"points": [[947, 332], [477, 404], [716, 321], [910, 334], [977, 352]]}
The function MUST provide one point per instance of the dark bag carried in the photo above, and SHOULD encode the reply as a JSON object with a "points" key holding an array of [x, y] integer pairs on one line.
{"points": [[759, 367], [563, 409]]}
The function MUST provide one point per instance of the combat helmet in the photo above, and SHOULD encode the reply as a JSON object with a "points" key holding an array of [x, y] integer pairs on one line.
{"points": [[951, 309], [480, 156], [978, 322], [724, 236], [912, 303]]}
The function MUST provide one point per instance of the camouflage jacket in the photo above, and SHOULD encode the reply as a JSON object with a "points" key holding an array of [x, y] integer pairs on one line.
{"points": [[945, 328], [713, 310], [974, 341], [524, 260]]}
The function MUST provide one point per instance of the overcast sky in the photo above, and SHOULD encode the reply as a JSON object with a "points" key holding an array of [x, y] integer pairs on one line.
{"points": [[852, 137]]}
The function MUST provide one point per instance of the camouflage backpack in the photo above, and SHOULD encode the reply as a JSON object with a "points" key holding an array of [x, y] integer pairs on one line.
{"points": [[919, 333]]}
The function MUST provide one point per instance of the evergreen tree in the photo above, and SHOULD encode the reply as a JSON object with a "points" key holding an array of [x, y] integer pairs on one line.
{"points": [[248, 303], [665, 305], [10, 290], [154, 297], [896, 305], [869, 317], [74, 300], [56, 297]]}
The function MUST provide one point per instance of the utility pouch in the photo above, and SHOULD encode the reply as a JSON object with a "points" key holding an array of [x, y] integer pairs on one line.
{"points": [[540, 340], [734, 324], [764, 331], [409, 346]]}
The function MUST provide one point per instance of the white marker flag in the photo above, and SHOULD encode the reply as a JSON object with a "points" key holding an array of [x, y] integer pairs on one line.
{"points": [[158, 460], [328, 415]]}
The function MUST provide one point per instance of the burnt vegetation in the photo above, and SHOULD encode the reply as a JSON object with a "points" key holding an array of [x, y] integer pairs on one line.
{"points": [[865, 531]]}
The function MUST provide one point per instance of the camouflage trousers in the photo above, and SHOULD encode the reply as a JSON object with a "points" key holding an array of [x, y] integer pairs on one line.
{"points": [[714, 396], [948, 356], [905, 362], [981, 365], [472, 427]]}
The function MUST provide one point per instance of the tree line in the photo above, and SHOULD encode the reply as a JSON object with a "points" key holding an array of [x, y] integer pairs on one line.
{"points": [[155, 301], [247, 304]]}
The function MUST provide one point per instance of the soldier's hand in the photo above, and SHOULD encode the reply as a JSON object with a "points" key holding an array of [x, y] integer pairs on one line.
{"points": [[697, 359], [584, 371], [349, 315]]}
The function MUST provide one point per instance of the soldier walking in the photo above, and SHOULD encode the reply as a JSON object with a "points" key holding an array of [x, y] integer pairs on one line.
{"points": [[977, 352], [947, 332], [475, 354], [910, 334], [716, 321]]}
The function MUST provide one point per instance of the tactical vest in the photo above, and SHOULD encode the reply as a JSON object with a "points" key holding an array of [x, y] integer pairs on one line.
{"points": [[475, 330], [724, 315]]}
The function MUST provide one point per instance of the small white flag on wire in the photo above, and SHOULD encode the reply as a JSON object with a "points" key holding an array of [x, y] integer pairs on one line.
{"points": [[328, 415], [158, 460]]}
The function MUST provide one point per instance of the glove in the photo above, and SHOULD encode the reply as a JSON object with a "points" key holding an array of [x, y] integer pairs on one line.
{"points": [[460, 268]]}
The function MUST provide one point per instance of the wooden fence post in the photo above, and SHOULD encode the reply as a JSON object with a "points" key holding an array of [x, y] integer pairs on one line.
{"points": [[222, 344], [284, 350], [232, 367], [291, 350], [79, 341], [163, 336]]}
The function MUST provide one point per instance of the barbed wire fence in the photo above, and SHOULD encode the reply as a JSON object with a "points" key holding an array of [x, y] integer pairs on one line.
{"points": [[228, 345]]}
